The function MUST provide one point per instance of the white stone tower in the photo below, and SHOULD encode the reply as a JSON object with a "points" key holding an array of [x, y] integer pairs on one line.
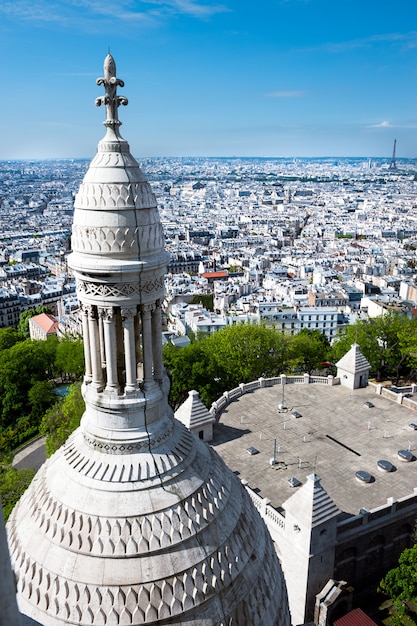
{"points": [[134, 520]]}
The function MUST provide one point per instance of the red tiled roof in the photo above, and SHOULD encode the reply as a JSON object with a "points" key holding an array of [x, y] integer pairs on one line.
{"points": [[215, 275], [355, 618], [46, 322]]}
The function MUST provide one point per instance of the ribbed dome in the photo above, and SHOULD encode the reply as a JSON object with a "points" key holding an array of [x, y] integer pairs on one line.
{"points": [[168, 537], [134, 520]]}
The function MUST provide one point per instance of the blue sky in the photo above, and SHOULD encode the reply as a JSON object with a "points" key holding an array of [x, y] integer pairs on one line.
{"points": [[223, 78]]}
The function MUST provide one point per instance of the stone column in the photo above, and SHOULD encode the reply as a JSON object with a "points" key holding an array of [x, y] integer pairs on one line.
{"points": [[109, 333], [147, 344], [138, 348], [128, 321], [157, 341], [101, 336], [88, 376], [97, 373]]}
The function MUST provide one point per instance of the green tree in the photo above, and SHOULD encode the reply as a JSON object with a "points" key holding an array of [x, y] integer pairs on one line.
{"points": [[13, 483], [49, 347], [237, 354], [69, 359], [192, 367], [40, 398], [62, 419], [388, 330], [8, 337], [206, 299], [407, 348], [245, 352], [388, 342], [21, 366], [400, 584], [308, 349]]}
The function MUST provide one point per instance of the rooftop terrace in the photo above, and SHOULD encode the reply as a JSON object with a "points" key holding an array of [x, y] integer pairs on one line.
{"points": [[336, 436]]}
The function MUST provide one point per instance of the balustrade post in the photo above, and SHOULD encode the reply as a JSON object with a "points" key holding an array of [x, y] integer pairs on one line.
{"points": [[97, 372]]}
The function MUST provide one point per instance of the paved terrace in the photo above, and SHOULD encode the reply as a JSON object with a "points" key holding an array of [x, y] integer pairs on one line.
{"points": [[336, 436]]}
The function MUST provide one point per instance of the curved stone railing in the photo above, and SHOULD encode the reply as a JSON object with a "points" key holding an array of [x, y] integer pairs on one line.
{"points": [[271, 516], [400, 395], [228, 396], [387, 512]]}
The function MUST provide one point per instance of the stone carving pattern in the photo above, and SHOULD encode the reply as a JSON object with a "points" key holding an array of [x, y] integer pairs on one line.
{"points": [[147, 308], [91, 311], [117, 290], [108, 240], [106, 314], [151, 601], [129, 536], [128, 313], [123, 448], [115, 195], [119, 156]]}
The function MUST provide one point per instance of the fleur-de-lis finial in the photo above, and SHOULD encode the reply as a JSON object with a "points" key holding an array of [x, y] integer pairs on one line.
{"points": [[111, 99]]}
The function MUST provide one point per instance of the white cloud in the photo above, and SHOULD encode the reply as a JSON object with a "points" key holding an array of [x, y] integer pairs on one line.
{"points": [[82, 13], [384, 124], [196, 9], [387, 124], [406, 40]]}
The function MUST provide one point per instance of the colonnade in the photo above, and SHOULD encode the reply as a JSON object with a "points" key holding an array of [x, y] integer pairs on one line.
{"points": [[122, 346]]}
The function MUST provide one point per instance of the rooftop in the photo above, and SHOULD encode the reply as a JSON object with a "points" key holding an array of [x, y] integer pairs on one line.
{"points": [[355, 618], [46, 322], [336, 436]]}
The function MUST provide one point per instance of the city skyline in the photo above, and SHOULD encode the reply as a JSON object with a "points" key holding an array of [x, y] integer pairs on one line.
{"points": [[297, 78]]}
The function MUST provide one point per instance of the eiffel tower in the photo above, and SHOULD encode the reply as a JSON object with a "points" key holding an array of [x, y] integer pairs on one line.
{"points": [[393, 164]]}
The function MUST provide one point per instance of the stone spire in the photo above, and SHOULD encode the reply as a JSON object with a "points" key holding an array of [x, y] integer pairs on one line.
{"points": [[353, 368], [119, 263], [196, 417], [308, 545], [134, 520]]}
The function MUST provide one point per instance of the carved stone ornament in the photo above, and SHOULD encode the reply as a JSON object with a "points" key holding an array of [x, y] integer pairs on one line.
{"points": [[107, 240], [147, 308], [128, 314], [117, 290], [106, 314], [111, 100], [108, 196], [91, 310]]}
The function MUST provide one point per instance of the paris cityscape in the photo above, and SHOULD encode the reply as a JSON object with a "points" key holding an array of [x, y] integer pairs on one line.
{"points": [[333, 234]]}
